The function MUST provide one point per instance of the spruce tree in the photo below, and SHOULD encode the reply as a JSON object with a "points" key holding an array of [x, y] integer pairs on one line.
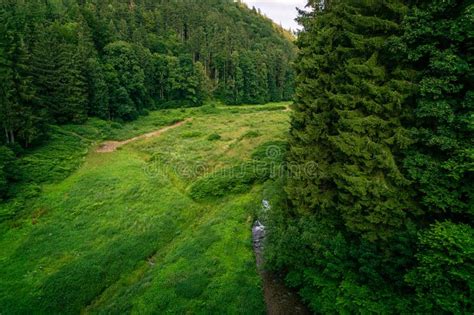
{"points": [[98, 90], [349, 230], [21, 121], [346, 132], [59, 73]]}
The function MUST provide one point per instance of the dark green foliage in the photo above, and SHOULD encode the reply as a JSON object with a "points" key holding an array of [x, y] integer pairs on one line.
{"points": [[66, 61], [59, 72], [99, 97], [214, 137], [334, 274], [348, 111], [20, 120], [126, 78], [251, 134], [7, 160], [273, 151], [238, 179], [55, 160], [380, 218], [439, 41], [62, 61], [443, 277]]}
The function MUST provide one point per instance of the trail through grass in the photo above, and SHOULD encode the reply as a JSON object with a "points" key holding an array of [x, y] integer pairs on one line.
{"points": [[122, 232]]}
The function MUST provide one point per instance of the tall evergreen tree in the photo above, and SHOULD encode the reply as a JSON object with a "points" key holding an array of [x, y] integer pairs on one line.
{"points": [[348, 111], [349, 229], [98, 90], [59, 73], [20, 119]]}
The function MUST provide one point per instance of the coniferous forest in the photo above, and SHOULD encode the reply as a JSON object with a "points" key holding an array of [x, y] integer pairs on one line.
{"points": [[64, 61], [140, 138]]}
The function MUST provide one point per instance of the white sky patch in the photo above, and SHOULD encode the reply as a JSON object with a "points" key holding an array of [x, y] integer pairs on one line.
{"points": [[281, 11]]}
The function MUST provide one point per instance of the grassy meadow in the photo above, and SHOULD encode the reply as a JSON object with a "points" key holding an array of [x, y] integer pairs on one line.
{"points": [[162, 225]]}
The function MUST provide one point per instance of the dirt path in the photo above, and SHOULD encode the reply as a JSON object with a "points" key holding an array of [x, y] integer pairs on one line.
{"points": [[279, 299], [111, 146]]}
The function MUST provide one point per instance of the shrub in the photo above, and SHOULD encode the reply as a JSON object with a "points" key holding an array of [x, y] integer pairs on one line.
{"points": [[273, 151], [251, 134], [214, 137], [234, 180], [116, 125], [191, 134]]}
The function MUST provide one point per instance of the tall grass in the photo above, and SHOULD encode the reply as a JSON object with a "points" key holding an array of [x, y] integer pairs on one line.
{"points": [[122, 232]]}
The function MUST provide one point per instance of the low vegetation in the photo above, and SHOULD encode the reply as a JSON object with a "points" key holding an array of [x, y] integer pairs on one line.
{"points": [[126, 231]]}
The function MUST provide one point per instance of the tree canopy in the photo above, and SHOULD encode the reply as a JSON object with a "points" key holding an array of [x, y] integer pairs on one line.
{"points": [[63, 61], [381, 165]]}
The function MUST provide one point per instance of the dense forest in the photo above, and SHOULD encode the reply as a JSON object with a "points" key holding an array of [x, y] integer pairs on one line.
{"points": [[381, 183], [62, 61]]}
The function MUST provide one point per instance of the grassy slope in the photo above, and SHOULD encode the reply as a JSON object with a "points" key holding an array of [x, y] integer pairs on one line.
{"points": [[122, 234]]}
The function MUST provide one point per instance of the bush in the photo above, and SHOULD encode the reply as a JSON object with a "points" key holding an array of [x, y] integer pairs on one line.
{"points": [[251, 134], [214, 137], [116, 125], [191, 134], [234, 180], [273, 151]]}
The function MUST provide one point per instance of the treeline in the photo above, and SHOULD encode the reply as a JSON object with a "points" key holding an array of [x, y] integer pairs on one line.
{"points": [[381, 215], [62, 61]]}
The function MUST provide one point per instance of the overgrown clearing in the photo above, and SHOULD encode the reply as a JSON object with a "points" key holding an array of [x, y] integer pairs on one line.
{"points": [[122, 232]]}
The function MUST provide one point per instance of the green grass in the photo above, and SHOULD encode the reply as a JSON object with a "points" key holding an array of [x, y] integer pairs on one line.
{"points": [[122, 232]]}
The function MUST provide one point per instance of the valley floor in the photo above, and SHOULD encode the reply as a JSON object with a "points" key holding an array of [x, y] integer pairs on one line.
{"points": [[124, 232]]}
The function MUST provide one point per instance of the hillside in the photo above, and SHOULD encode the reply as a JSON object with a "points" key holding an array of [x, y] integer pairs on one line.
{"points": [[63, 61], [137, 229], [66, 61]]}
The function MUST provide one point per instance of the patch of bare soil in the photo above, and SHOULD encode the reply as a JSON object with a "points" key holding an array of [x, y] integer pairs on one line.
{"points": [[111, 146]]}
